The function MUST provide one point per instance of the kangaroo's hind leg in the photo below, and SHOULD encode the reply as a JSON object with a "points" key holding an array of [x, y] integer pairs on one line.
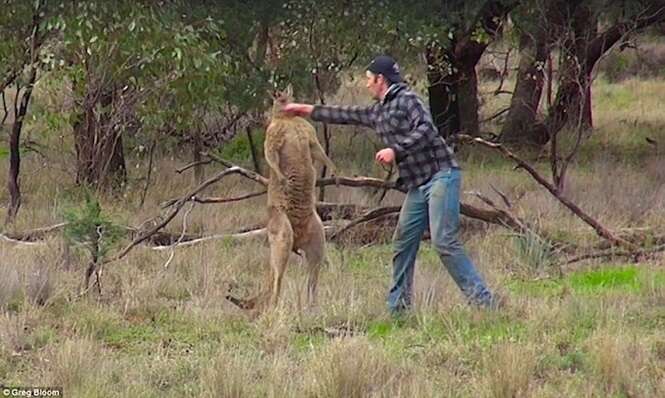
{"points": [[280, 237], [313, 244]]}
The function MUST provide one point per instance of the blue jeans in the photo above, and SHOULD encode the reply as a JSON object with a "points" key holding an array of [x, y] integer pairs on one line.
{"points": [[434, 204]]}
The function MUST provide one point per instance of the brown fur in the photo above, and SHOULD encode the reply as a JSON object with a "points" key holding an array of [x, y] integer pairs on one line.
{"points": [[290, 148]]}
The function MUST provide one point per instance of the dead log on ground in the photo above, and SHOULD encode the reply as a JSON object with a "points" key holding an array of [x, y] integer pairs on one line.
{"points": [[597, 226]]}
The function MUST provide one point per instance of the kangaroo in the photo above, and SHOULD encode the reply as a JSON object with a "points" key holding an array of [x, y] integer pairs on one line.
{"points": [[293, 225]]}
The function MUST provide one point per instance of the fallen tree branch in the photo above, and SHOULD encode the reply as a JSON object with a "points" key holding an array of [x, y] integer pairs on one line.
{"points": [[490, 216], [177, 206], [32, 235], [207, 200], [613, 253], [176, 209], [599, 228], [252, 233], [369, 216], [19, 241], [193, 164], [239, 170], [240, 235], [358, 182], [344, 211]]}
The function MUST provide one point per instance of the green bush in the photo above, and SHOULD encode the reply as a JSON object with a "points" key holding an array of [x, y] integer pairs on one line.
{"points": [[90, 229], [237, 150]]}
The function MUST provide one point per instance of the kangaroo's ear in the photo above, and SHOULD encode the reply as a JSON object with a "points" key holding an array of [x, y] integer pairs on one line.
{"points": [[289, 91]]}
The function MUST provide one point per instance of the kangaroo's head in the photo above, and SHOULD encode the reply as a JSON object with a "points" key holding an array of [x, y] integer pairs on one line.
{"points": [[281, 98]]}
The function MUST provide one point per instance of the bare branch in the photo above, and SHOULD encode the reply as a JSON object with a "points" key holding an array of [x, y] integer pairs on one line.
{"points": [[384, 191], [182, 169], [9, 79], [499, 113], [600, 230], [486, 215], [369, 216], [182, 235], [504, 72], [254, 233], [205, 200], [239, 170], [149, 174], [636, 255], [177, 207], [4, 108], [358, 182], [503, 196]]}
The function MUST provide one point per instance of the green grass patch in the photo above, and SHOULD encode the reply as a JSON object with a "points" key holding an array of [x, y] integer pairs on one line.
{"points": [[622, 279], [484, 329], [4, 152], [629, 279], [491, 330], [460, 326], [368, 262], [170, 330], [175, 332], [381, 329], [305, 343], [536, 288], [43, 335], [568, 359], [614, 96]]}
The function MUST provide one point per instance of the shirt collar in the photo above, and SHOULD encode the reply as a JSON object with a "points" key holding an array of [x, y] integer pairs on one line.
{"points": [[391, 92]]}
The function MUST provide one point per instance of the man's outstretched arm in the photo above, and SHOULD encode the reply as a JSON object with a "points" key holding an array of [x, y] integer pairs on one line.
{"points": [[359, 115]]}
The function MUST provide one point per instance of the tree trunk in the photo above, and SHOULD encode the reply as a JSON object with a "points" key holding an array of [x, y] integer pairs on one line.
{"points": [[442, 92], [518, 127], [590, 49], [572, 102], [451, 71], [14, 148], [252, 149], [467, 90], [99, 151], [197, 147], [15, 136], [453, 91]]}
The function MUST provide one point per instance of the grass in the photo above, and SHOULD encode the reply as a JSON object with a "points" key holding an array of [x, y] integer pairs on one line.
{"points": [[606, 280], [596, 330]]}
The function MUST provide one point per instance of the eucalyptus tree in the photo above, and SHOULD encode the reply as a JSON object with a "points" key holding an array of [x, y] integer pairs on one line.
{"points": [[591, 29], [536, 30], [23, 35], [15, 28], [451, 36], [135, 68]]}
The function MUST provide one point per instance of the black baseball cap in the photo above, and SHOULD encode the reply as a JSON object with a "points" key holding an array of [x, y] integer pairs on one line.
{"points": [[386, 66]]}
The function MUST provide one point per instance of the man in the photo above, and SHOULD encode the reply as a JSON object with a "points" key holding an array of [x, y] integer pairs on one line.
{"points": [[427, 170]]}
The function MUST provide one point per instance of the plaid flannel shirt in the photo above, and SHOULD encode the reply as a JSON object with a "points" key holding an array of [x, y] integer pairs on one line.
{"points": [[404, 124]]}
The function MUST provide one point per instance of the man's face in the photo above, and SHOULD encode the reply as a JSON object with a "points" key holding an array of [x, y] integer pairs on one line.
{"points": [[375, 84]]}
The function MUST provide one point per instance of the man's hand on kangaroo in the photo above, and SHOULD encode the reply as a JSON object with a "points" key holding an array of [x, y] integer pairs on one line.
{"points": [[295, 109]]}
